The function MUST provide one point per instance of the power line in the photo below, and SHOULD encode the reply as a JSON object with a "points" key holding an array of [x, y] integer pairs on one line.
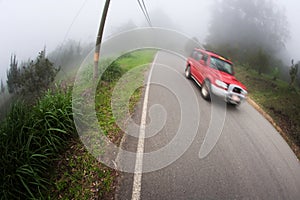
{"points": [[69, 29], [145, 12]]}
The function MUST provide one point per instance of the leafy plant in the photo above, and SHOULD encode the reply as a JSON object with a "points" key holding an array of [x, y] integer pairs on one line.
{"points": [[34, 139], [33, 78], [30, 140], [275, 73], [113, 72], [293, 73], [13, 75], [2, 87]]}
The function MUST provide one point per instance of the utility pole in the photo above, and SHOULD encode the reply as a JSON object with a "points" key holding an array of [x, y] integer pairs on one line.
{"points": [[99, 39]]}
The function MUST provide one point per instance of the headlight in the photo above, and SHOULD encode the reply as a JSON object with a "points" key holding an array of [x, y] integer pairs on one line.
{"points": [[221, 84]]}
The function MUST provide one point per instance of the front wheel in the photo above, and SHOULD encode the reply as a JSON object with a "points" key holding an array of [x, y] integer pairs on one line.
{"points": [[205, 90], [188, 72]]}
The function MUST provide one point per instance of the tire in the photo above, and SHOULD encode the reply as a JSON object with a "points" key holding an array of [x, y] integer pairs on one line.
{"points": [[188, 72], [205, 90]]}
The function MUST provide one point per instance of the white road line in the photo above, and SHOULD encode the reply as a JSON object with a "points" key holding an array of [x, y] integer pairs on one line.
{"points": [[137, 179]]}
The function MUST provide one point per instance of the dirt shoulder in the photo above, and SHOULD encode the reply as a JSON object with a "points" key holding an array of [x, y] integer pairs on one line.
{"points": [[277, 102]]}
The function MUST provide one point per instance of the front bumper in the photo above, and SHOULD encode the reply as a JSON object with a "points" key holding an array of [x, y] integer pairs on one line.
{"points": [[234, 94]]}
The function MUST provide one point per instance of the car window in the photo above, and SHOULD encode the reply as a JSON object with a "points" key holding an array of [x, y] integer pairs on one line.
{"points": [[197, 55], [204, 57], [221, 65]]}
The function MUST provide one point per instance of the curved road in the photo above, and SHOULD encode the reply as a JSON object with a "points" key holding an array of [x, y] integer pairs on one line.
{"points": [[249, 161]]}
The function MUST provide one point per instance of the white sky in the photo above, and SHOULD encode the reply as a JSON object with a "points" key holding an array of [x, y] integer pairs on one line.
{"points": [[28, 25]]}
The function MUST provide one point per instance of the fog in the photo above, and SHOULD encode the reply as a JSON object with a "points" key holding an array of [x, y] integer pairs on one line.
{"points": [[27, 26]]}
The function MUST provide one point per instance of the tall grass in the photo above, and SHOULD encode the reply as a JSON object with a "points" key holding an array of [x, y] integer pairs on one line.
{"points": [[31, 137]]}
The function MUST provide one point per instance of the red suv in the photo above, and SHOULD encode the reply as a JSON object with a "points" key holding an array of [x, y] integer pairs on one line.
{"points": [[215, 75]]}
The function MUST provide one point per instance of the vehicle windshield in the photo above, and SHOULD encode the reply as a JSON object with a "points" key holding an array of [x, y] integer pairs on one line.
{"points": [[221, 65]]}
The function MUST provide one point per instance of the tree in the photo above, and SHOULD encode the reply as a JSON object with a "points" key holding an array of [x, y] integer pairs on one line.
{"points": [[38, 75], [293, 73], [246, 26], [262, 61], [2, 87], [69, 56], [34, 77], [13, 75]]}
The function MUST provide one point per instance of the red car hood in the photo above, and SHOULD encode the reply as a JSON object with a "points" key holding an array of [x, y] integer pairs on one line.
{"points": [[230, 79]]}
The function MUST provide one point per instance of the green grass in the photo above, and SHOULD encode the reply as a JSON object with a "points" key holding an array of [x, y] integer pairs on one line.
{"points": [[138, 61], [277, 98], [137, 58], [31, 137], [41, 154], [80, 175]]}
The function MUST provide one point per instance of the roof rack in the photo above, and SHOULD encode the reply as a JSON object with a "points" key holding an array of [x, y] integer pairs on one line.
{"points": [[217, 54]]}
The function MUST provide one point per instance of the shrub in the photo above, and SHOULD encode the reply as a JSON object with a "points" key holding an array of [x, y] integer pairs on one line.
{"points": [[30, 140], [113, 72], [33, 77]]}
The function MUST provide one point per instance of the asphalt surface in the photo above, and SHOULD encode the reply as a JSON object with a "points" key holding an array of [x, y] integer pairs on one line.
{"points": [[250, 160]]}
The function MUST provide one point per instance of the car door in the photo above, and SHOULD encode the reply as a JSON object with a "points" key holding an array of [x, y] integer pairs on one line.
{"points": [[195, 68], [202, 67]]}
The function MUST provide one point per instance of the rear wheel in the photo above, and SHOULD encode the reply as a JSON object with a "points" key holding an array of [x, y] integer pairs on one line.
{"points": [[205, 90], [188, 72]]}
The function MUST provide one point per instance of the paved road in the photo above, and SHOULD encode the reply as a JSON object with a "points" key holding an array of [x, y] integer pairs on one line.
{"points": [[249, 161]]}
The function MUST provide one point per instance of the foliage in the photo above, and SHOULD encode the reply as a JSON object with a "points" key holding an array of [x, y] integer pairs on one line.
{"points": [[248, 31], [106, 86], [277, 99], [30, 140], [33, 78], [2, 87], [79, 175], [13, 75], [38, 75], [293, 73], [275, 73], [34, 139], [113, 72], [69, 56], [248, 24], [261, 60]]}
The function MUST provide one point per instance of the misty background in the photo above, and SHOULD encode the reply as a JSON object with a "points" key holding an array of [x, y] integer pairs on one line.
{"points": [[29, 26]]}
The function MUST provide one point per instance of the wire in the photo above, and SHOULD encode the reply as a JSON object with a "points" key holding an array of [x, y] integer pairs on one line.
{"points": [[70, 27], [74, 19], [145, 12]]}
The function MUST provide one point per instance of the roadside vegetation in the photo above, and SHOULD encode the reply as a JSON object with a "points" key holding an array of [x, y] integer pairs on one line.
{"points": [[278, 98], [80, 175], [31, 138], [42, 156]]}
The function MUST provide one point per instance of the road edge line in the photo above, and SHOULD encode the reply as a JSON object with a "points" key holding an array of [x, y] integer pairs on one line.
{"points": [[137, 178]]}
